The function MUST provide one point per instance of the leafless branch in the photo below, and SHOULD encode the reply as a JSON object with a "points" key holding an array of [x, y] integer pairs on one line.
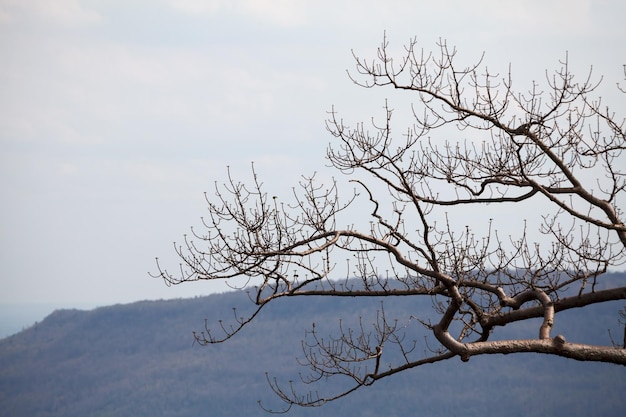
{"points": [[475, 141]]}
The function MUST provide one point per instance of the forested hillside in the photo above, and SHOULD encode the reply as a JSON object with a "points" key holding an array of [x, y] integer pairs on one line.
{"points": [[140, 360]]}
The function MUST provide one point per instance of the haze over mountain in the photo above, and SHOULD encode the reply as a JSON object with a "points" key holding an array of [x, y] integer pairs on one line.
{"points": [[139, 359]]}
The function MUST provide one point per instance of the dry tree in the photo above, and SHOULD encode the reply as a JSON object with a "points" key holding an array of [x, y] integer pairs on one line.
{"points": [[554, 145]]}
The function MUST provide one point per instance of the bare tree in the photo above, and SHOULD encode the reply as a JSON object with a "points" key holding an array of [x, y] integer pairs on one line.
{"points": [[554, 144]]}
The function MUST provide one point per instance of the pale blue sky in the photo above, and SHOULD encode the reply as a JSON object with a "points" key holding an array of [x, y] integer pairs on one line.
{"points": [[116, 116]]}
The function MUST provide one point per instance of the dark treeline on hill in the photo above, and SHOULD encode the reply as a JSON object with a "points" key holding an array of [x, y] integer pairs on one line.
{"points": [[140, 360]]}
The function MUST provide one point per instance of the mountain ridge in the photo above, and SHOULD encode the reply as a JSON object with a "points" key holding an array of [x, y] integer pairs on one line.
{"points": [[140, 359]]}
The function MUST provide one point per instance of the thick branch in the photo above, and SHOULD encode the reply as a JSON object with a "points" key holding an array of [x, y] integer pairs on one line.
{"points": [[556, 346], [582, 300]]}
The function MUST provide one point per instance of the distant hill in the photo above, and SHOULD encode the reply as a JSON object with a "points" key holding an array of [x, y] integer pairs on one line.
{"points": [[139, 360]]}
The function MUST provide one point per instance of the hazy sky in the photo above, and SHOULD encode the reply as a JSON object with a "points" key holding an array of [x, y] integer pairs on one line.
{"points": [[116, 116]]}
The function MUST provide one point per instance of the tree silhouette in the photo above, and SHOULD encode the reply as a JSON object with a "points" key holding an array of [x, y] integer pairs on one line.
{"points": [[475, 146]]}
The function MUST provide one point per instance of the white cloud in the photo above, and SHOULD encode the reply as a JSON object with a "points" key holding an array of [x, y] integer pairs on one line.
{"points": [[68, 169], [538, 16], [63, 12], [281, 12], [198, 6]]}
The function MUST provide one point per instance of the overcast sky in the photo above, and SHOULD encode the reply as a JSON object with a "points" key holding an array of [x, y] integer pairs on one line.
{"points": [[116, 116]]}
